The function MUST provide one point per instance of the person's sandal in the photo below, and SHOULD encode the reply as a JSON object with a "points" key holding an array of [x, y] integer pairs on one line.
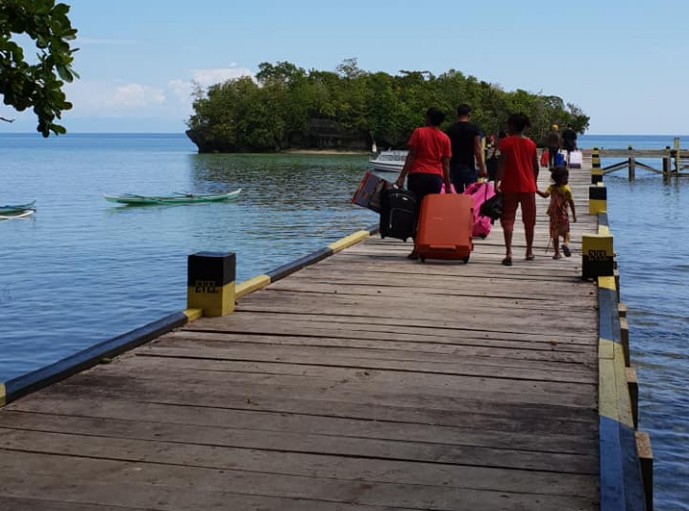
{"points": [[566, 251], [507, 261], [413, 256]]}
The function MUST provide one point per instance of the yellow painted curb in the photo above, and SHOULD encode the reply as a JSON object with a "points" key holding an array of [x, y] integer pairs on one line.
{"points": [[606, 349], [2, 395], [251, 285], [603, 229], [193, 314], [607, 283], [613, 394], [348, 241]]}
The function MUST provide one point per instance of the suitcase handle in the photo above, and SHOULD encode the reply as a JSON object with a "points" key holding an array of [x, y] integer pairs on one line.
{"points": [[442, 247]]}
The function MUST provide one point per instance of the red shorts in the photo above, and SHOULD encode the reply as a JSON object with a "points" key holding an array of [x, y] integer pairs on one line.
{"points": [[510, 201]]}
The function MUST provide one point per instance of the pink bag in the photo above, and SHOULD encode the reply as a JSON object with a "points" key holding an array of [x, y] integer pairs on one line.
{"points": [[480, 192], [452, 189]]}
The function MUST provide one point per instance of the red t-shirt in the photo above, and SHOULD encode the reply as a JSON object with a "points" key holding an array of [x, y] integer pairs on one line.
{"points": [[431, 145], [519, 154]]}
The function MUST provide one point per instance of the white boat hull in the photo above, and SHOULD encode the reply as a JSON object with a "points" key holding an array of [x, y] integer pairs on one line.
{"points": [[386, 166], [389, 161]]}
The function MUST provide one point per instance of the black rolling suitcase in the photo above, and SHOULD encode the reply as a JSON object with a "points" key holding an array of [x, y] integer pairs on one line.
{"points": [[397, 214]]}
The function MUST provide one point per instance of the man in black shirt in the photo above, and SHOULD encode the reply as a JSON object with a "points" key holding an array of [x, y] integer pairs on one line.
{"points": [[569, 139], [467, 152]]}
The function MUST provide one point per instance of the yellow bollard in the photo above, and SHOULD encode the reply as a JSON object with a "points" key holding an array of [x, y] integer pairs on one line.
{"points": [[597, 256], [596, 170], [211, 282], [598, 198]]}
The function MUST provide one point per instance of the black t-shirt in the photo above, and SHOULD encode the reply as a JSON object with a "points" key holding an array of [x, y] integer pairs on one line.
{"points": [[462, 135], [569, 139]]}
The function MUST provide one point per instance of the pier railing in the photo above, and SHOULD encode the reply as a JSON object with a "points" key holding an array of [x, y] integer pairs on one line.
{"points": [[670, 161]]}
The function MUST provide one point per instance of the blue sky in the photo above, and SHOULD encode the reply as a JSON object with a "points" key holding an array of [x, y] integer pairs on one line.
{"points": [[620, 62]]}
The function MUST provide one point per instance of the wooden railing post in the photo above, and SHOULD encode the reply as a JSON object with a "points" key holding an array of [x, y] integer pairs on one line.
{"points": [[632, 168]]}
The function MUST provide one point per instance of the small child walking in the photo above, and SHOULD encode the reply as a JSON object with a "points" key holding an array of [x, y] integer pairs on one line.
{"points": [[560, 198]]}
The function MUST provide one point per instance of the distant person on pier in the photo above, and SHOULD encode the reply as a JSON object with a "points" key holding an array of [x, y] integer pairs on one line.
{"points": [[569, 140], [553, 141], [428, 160], [467, 151], [560, 199], [493, 155], [517, 175]]}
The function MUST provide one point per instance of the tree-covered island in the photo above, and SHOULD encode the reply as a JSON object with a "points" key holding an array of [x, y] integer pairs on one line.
{"points": [[286, 107]]}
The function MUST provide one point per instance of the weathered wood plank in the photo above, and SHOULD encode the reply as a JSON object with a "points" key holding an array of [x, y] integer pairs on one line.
{"points": [[468, 413], [462, 359], [365, 327], [214, 488], [75, 437], [550, 352], [266, 421], [39, 504]]}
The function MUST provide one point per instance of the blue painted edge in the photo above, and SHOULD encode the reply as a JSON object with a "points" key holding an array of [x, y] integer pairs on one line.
{"points": [[603, 219], [611, 475], [607, 312], [35, 380], [621, 482], [635, 494], [287, 269]]}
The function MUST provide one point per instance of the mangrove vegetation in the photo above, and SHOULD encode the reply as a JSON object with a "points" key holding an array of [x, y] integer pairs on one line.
{"points": [[286, 107]]}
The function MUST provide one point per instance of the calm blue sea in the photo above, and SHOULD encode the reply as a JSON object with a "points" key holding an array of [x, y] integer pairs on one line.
{"points": [[81, 270]]}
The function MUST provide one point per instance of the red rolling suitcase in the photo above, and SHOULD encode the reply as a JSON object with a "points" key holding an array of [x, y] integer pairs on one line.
{"points": [[445, 225]]}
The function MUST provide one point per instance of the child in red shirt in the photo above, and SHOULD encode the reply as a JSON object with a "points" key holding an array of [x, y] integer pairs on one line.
{"points": [[516, 179]]}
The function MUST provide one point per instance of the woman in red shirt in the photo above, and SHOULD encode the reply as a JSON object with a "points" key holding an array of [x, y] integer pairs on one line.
{"points": [[516, 179], [428, 160]]}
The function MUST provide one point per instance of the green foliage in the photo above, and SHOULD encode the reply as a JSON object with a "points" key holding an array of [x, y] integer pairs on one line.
{"points": [[288, 107], [37, 84]]}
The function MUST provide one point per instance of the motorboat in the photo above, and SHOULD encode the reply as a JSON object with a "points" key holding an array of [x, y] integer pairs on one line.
{"points": [[389, 161]]}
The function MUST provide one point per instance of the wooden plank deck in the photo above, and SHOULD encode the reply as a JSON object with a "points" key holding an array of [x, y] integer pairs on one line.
{"points": [[365, 382]]}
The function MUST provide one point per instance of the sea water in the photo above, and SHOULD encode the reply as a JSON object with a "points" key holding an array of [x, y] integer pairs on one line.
{"points": [[82, 270]]}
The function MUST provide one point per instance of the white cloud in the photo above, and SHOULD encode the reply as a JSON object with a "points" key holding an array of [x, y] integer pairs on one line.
{"points": [[118, 99], [134, 95], [183, 89], [107, 99], [207, 77]]}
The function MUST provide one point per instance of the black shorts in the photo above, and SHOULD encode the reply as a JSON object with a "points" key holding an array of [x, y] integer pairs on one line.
{"points": [[424, 184]]}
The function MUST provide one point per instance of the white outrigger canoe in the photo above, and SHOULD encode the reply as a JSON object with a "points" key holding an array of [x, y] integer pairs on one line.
{"points": [[11, 212], [131, 199]]}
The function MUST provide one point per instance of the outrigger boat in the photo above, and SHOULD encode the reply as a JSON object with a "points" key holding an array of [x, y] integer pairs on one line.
{"points": [[10, 212], [131, 199]]}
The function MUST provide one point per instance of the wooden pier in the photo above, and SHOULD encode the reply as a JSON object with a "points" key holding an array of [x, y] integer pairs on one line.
{"points": [[670, 161], [364, 382]]}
